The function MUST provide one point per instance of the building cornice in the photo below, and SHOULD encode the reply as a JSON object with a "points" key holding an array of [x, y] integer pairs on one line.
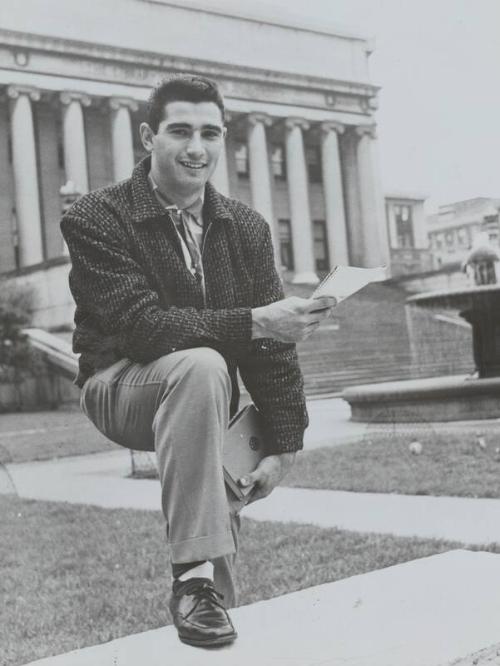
{"points": [[405, 196], [28, 42]]}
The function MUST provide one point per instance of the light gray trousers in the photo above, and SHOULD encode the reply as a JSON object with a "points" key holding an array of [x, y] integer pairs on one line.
{"points": [[177, 405]]}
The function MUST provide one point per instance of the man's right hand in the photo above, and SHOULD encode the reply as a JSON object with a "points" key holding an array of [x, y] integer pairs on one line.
{"points": [[292, 319]]}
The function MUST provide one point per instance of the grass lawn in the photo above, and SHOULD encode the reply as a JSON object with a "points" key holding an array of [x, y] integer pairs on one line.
{"points": [[42, 435], [73, 576], [457, 464]]}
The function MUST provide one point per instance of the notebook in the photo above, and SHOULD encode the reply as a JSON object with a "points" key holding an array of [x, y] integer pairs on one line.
{"points": [[244, 448]]}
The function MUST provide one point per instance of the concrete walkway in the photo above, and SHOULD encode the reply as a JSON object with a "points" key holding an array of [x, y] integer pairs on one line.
{"points": [[470, 521], [427, 612], [330, 425], [101, 480]]}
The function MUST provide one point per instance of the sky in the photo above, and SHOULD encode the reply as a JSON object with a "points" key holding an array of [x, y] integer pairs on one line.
{"points": [[438, 64]]}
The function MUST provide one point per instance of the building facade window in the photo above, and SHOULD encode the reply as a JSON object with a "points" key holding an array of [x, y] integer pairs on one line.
{"points": [[463, 237], [15, 238], [241, 157], [321, 258], [313, 161], [278, 164], [60, 153], [404, 225], [286, 246], [492, 228]]}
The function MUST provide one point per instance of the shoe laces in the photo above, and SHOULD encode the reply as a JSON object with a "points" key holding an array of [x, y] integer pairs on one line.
{"points": [[202, 588]]}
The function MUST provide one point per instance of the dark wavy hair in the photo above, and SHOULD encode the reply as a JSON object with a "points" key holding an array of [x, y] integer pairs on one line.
{"points": [[181, 88]]}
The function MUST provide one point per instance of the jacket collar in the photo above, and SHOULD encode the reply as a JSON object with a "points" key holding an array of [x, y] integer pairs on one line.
{"points": [[146, 206]]}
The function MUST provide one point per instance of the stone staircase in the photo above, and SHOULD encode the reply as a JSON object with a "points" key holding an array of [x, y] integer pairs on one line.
{"points": [[367, 343]]}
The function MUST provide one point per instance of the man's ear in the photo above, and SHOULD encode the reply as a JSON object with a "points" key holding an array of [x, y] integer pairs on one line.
{"points": [[147, 135]]}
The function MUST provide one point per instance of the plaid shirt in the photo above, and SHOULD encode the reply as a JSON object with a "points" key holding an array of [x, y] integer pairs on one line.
{"points": [[136, 298]]}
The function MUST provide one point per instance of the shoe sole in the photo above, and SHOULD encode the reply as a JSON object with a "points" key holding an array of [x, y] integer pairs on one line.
{"points": [[209, 642]]}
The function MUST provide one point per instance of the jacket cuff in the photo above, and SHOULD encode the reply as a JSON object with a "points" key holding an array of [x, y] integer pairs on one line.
{"points": [[236, 326], [285, 444]]}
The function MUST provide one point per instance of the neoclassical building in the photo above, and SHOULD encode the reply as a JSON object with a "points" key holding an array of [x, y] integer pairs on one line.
{"points": [[301, 146]]}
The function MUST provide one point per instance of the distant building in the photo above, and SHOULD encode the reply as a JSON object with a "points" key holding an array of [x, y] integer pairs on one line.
{"points": [[451, 231], [406, 228]]}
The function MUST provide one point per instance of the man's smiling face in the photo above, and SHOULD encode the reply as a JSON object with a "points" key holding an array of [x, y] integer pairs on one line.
{"points": [[186, 147]]}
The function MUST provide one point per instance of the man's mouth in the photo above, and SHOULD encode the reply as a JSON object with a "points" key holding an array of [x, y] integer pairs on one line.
{"points": [[193, 165]]}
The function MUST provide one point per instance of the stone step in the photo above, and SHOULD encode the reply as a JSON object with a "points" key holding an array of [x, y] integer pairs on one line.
{"points": [[427, 612]]}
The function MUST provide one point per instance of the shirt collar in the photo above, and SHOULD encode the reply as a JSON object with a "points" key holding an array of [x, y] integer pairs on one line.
{"points": [[147, 207], [194, 209]]}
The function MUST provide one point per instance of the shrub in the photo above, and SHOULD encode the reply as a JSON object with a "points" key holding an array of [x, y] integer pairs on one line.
{"points": [[17, 359]]}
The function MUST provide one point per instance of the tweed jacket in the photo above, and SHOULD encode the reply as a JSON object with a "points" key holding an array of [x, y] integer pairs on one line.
{"points": [[136, 299]]}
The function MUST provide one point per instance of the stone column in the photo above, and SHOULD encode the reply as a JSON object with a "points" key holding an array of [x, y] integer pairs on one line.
{"points": [[372, 199], [391, 222], [27, 194], [260, 176], [298, 191], [220, 177], [121, 136], [349, 164], [333, 190], [75, 151]]}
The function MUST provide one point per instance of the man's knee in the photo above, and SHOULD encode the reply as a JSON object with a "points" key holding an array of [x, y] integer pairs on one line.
{"points": [[205, 359]]}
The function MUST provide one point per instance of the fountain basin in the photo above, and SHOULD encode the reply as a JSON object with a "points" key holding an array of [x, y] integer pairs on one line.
{"points": [[452, 398], [458, 298], [444, 398], [480, 307]]}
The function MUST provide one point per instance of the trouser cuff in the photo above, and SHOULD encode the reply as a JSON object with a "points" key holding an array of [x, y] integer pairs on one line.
{"points": [[202, 548]]}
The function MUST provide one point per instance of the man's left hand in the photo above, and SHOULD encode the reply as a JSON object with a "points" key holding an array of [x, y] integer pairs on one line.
{"points": [[269, 474]]}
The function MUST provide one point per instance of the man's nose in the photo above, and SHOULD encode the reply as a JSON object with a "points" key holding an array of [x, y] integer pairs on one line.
{"points": [[195, 145]]}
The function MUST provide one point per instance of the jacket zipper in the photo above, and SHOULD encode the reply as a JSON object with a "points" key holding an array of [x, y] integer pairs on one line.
{"points": [[203, 289], [202, 266], [180, 240]]}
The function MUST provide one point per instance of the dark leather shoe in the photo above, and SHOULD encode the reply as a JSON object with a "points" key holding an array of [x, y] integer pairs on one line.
{"points": [[199, 615]]}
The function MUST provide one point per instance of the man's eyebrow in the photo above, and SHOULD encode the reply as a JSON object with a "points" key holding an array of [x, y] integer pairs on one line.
{"points": [[216, 128]]}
